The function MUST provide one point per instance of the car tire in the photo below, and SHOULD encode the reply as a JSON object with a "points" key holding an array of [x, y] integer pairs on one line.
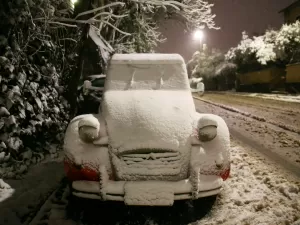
{"points": [[198, 208], [75, 205], [200, 94]]}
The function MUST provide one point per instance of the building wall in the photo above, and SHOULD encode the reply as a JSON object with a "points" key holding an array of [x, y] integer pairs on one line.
{"points": [[292, 14]]}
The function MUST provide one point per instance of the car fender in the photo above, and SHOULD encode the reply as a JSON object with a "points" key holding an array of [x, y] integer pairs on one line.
{"points": [[85, 154], [213, 157]]}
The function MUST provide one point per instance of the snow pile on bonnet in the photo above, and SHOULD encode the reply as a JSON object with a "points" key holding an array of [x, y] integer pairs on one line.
{"points": [[160, 120]]}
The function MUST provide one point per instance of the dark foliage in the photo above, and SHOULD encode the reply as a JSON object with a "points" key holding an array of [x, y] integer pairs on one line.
{"points": [[36, 58]]}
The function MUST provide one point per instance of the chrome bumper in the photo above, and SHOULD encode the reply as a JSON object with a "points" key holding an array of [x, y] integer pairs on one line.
{"points": [[148, 192]]}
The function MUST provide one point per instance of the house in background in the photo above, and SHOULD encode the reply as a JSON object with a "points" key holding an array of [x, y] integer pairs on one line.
{"points": [[291, 12]]}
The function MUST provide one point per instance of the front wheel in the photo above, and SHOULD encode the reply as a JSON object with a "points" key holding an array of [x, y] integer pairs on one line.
{"points": [[201, 93]]}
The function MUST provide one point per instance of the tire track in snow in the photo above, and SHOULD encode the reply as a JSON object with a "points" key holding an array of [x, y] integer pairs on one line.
{"points": [[249, 142], [53, 210], [283, 97], [271, 155], [258, 118], [257, 192]]}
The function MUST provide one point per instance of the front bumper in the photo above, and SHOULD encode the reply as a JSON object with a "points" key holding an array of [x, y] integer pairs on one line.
{"points": [[151, 193]]}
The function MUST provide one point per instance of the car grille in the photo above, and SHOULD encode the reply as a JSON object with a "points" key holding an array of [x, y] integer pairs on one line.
{"points": [[152, 159], [150, 164]]}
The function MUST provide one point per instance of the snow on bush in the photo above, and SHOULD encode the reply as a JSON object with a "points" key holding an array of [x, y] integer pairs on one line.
{"points": [[273, 48], [244, 55], [203, 63], [263, 49], [287, 43], [210, 64], [33, 56]]}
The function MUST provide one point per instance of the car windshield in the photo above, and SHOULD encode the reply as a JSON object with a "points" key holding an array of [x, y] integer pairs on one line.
{"points": [[147, 77]]}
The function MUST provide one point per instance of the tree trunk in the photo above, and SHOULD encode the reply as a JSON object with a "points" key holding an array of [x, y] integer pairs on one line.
{"points": [[76, 73]]}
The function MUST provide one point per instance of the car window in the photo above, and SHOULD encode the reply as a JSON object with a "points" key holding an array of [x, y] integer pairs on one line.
{"points": [[99, 82], [147, 77]]}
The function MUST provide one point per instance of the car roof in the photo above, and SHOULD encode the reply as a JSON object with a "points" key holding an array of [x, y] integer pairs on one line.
{"points": [[144, 58], [97, 76]]}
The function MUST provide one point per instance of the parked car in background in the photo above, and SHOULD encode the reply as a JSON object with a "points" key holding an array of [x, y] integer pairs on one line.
{"points": [[90, 93], [147, 145], [197, 86]]}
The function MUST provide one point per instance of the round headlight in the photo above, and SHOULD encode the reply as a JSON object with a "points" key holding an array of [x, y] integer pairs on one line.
{"points": [[207, 129], [207, 133], [89, 128]]}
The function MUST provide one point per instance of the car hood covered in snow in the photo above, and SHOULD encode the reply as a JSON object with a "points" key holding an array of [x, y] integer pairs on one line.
{"points": [[148, 120], [147, 103]]}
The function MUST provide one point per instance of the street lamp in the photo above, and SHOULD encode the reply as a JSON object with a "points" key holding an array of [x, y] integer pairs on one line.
{"points": [[73, 2], [199, 36]]}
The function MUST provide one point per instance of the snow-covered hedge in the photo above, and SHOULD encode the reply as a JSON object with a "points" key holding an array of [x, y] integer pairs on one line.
{"points": [[203, 63], [273, 48], [33, 57], [210, 64], [250, 54], [287, 43]]}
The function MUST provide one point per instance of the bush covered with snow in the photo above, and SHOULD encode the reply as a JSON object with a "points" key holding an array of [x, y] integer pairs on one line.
{"points": [[287, 43], [251, 54], [210, 64], [34, 53], [274, 48]]}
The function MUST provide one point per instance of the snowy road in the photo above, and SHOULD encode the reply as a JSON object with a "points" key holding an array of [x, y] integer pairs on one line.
{"points": [[270, 126], [263, 189]]}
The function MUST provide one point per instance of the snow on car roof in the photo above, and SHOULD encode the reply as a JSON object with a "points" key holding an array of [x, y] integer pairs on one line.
{"points": [[151, 58], [97, 76], [147, 72]]}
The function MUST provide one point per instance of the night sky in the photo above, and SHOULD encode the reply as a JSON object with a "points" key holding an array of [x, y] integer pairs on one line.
{"points": [[233, 16]]}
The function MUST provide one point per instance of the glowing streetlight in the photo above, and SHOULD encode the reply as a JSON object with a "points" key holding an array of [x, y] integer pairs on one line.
{"points": [[73, 2], [199, 36]]}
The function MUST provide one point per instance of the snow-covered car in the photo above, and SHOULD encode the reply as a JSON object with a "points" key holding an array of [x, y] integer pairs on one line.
{"points": [[147, 145], [90, 93], [197, 86]]}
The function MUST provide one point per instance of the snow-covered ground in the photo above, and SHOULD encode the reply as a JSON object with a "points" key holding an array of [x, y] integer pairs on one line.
{"points": [[273, 126], [6, 191], [258, 192], [273, 96], [280, 97], [21, 198]]}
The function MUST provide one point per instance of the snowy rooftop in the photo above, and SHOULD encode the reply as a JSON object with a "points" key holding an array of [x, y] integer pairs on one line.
{"points": [[152, 58]]}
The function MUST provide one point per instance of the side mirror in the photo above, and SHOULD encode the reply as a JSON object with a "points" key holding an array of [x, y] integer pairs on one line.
{"points": [[86, 86]]}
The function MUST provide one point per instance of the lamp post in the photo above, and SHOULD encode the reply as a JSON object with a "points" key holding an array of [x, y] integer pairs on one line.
{"points": [[199, 35]]}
